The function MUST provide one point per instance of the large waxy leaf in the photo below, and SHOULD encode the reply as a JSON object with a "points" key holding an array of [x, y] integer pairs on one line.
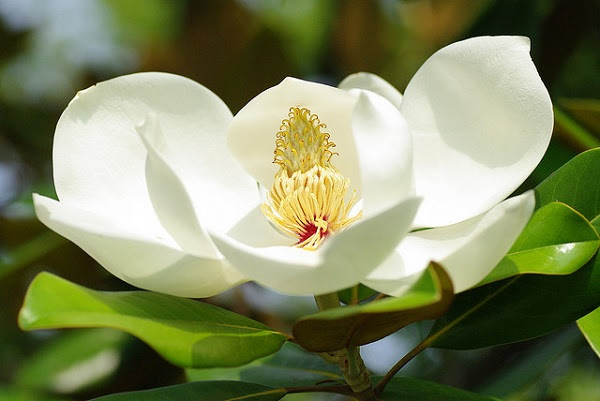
{"points": [[213, 391], [291, 366], [350, 326], [590, 327], [557, 240], [409, 389], [590, 324], [398, 389], [577, 184], [518, 308], [186, 332]]}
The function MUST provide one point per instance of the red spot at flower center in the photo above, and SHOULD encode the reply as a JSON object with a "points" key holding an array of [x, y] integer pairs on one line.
{"points": [[310, 230]]}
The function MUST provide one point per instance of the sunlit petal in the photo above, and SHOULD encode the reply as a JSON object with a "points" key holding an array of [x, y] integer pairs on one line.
{"points": [[384, 149], [252, 132], [99, 159], [343, 261], [171, 202], [373, 83], [481, 120], [137, 257]]}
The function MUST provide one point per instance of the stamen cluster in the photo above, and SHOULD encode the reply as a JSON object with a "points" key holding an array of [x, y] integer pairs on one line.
{"points": [[310, 205], [308, 198], [300, 142]]}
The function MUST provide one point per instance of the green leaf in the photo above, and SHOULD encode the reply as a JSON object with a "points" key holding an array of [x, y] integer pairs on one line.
{"points": [[334, 329], [590, 328], [557, 240], [518, 308], [577, 184], [210, 391], [186, 332], [291, 366], [57, 367], [410, 389]]}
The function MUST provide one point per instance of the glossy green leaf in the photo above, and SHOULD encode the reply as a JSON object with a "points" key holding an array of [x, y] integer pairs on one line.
{"points": [[410, 389], [577, 184], [58, 366], [590, 327], [186, 332], [291, 366], [557, 240], [518, 308], [338, 328], [209, 391]]}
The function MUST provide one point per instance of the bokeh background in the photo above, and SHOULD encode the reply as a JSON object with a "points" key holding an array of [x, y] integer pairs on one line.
{"points": [[50, 49]]}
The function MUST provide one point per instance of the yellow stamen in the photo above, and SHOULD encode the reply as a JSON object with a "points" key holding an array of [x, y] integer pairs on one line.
{"points": [[308, 197]]}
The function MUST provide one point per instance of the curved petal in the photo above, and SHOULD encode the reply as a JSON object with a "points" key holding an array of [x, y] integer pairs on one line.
{"points": [[384, 149], [394, 277], [252, 131], [138, 258], [468, 250], [373, 83], [481, 121], [99, 159], [169, 197], [343, 261], [255, 230]]}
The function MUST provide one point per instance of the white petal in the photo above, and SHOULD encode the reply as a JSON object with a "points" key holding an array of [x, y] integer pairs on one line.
{"points": [[393, 277], [99, 159], [138, 258], [468, 250], [341, 262], [169, 197], [384, 149], [255, 230], [481, 121], [252, 132], [373, 83]]}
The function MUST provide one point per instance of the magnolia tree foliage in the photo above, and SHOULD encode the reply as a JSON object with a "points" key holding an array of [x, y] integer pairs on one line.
{"points": [[396, 204]]}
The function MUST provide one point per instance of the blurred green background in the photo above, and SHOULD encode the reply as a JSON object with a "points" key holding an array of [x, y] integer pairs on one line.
{"points": [[50, 49]]}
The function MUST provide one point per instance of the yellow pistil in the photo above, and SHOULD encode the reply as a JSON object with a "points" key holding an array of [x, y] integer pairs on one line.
{"points": [[308, 198]]}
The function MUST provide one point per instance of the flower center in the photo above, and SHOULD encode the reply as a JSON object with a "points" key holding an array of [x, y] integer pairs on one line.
{"points": [[308, 198]]}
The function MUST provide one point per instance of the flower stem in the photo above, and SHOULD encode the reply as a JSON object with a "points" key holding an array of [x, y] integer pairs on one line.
{"points": [[348, 360]]}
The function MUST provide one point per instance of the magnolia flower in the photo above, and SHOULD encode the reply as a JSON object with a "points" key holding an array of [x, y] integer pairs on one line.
{"points": [[158, 182]]}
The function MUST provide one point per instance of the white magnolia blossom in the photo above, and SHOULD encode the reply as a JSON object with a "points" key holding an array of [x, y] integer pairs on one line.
{"points": [[158, 182]]}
